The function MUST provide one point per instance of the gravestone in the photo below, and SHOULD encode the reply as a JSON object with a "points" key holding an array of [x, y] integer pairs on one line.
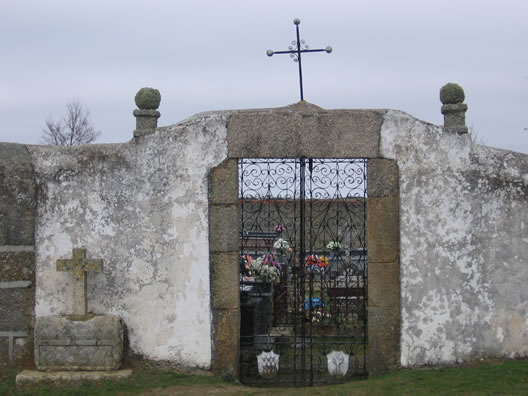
{"points": [[79, 266], [81, 341]]}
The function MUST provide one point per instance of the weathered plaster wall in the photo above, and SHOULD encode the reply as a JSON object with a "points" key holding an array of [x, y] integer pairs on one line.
{"points": [[143, 208], [464, 244]]}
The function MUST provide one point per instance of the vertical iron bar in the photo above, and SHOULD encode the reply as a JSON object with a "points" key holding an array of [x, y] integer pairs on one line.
{"points": [[295, 278], [299, 60], [302, 232], [241, 183], [365, 263], [310, 318]]}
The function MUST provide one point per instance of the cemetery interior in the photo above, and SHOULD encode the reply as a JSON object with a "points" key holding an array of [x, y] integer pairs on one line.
{"points": [[286, 246]]}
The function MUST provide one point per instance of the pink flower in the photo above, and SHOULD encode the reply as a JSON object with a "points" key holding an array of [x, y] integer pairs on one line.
{"points": [[279, 228]]}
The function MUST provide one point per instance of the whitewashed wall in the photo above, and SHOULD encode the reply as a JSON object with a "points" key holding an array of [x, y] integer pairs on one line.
{"points": [[143, 208], [464, 244]]}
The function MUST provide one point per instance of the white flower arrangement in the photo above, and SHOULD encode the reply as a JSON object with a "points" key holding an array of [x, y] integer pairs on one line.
{"points": [[264, 269], [281, 245], [334, 246]]}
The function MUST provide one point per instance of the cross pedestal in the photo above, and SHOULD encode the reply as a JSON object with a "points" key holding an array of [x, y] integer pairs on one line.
{"points": [[79, 265], [79, 341]]}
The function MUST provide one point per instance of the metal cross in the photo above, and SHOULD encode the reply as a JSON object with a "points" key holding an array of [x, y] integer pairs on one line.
{"points": [[79, 266], [296, 49]]}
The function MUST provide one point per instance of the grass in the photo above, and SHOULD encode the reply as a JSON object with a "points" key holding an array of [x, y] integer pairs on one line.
{"points": [[508, 377]]}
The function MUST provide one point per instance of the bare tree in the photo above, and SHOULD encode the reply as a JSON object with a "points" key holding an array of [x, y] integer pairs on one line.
{"points": [[74, 129]]}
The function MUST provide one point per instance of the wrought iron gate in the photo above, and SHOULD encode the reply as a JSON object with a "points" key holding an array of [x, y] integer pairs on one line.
{"points": [[303, 266]]}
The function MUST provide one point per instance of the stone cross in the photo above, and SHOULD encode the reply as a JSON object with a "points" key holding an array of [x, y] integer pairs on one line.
{"points": [[79, 265]]}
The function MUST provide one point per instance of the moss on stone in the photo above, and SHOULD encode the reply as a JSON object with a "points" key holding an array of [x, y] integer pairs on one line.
{"points": [[148, 98], [451, 93]]}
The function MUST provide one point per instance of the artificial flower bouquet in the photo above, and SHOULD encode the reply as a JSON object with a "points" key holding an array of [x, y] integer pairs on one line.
{"points": [[264, 268], [334, 246], [315, 263]]}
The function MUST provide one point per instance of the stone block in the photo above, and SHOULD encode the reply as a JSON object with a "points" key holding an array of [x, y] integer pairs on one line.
{"points": [[15, 347], [16, 306], [383, 229], [225, 274], [16, 264], [304, 130], [146, 122], [17, 195], [223, 183], [33, 377], [384, 284], [382, 178], [384, 339], [226, 341], [4, 351], [23, 349], [70, 343], [224, 224]]}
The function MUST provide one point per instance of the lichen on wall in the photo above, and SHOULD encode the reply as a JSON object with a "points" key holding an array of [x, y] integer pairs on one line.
{"points": [[464, 244], [143, 208]]}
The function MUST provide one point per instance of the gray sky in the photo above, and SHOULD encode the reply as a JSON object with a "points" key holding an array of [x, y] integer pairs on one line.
{"points": [[211, 55]]}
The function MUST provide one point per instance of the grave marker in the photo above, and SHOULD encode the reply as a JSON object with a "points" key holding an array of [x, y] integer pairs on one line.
{"points": [[79, 265]]}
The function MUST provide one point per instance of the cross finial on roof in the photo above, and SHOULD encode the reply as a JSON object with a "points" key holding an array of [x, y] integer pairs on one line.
{"points": [[296, 49]]}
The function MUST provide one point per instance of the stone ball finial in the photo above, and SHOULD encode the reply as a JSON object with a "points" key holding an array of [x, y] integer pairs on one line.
{"points": [[148, 99], [451, 93]]}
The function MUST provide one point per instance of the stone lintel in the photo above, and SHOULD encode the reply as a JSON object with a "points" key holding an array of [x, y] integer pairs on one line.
{"points": [[304, 130], [31, 377], [383, 229]]}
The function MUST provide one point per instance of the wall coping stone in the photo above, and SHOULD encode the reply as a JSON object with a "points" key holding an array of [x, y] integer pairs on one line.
{"points": [[19, 284], [16, 248]]}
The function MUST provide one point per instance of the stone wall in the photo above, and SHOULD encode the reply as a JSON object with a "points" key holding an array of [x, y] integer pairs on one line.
{"points": [[17, 257], [142, 207], [464, 244], [446, 220]]}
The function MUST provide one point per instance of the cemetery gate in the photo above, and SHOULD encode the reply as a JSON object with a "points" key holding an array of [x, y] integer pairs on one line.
{"points": [[303, 270]]}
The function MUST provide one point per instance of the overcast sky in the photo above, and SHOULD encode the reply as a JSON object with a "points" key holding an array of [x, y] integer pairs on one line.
{"points": [[211, 55]]}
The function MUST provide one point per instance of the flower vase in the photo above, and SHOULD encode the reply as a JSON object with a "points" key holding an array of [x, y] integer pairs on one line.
{"points": [[261, 297]]}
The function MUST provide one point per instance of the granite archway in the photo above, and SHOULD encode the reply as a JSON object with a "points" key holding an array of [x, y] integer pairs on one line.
{"points": [[305, 130]]}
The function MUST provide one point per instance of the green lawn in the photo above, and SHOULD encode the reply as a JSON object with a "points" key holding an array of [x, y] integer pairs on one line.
{"points": [[508, 377]]}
